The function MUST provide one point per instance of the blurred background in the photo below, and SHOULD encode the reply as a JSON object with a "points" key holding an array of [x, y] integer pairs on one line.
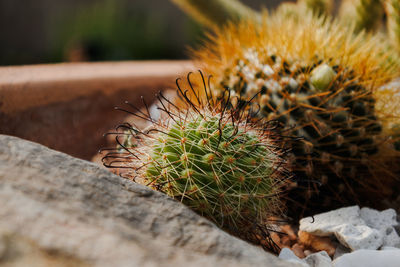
{"points": [[50, 31]]}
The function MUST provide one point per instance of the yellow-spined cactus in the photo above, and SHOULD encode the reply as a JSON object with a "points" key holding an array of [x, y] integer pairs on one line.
{"points": [[321, 80]]}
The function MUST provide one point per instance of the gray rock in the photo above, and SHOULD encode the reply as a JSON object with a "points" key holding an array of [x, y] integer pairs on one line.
{"points": [[288, 255], [73, 211], [359, 237], [384, 221], [388, 248], [320, 259], [328, 223], [379, 219], [391, 238], [369, 258]]}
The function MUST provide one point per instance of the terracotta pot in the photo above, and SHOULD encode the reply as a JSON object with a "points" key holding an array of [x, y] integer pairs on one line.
{"points": [[68, 107]]}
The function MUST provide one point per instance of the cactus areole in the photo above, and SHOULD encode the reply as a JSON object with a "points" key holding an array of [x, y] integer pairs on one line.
{"points": [[216, 159]]}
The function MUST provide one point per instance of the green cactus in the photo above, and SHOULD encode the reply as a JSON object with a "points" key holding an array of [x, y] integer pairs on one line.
{"points": [[212, 168], [221, 163]]}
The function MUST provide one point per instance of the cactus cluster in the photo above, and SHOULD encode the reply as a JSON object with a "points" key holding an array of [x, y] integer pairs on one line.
{"points": [[309, 80], [220, 162]]}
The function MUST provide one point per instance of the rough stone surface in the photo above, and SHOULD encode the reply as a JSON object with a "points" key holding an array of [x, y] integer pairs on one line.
{"points": [[67, 211], [325, 224], [384, 221], [359, 237], [369, 258], [341, 250], [288, 255], [355, 228], [320, 259]]}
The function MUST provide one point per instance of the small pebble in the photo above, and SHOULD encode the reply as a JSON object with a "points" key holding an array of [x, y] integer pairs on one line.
{"points": [[298, 250], [287, 229], [285, 241], [277, 240], [317, 243]]}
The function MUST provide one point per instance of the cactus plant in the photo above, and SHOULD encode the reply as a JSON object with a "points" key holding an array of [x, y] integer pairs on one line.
{"points": [[221, 163], [322, 81]]}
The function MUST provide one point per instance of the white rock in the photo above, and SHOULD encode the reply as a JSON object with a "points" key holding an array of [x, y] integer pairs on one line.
{"points": [[320, 259], [288, 255], [391, 238], [383, 221], [369, 258], [359, 237], [328, 223], [388, 248], [379, 219]]}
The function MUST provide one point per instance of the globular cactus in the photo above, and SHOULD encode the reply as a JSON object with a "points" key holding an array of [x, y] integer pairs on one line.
{"points": [[218, 161], [322, 82]]}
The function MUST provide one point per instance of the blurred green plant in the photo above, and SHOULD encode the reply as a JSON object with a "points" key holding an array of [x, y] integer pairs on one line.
{"points": [[393, 23], [216, 12], [364, 14], [115, 30], [319, 7]]}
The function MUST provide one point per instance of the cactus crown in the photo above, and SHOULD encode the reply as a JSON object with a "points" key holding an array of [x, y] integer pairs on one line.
{"points": [[213, 157]]}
